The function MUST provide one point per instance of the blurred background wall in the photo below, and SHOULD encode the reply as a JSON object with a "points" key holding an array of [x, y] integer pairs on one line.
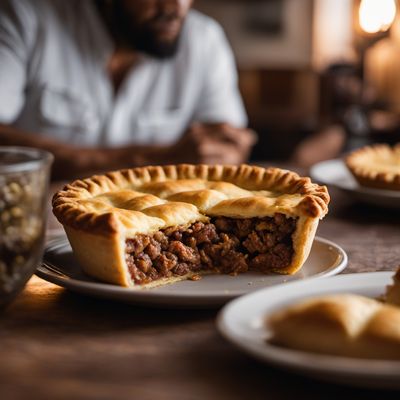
{"points": [[306, 64]]}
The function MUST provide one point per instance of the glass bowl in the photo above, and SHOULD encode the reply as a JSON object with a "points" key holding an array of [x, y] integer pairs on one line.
{"points": [[24, 178]]}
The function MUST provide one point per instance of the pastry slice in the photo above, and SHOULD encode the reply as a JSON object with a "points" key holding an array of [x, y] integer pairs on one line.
{"points": [[376, 166], [343, 325], [150, 226], [392, 295]]}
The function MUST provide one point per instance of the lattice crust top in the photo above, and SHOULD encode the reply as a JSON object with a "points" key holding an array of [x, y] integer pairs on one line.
{"points": [[379, 164], [152, 198]]}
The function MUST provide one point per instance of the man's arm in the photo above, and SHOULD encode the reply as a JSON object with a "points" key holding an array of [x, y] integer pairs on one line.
{"points": [[202, 143], [18, 32], [72, 161]]}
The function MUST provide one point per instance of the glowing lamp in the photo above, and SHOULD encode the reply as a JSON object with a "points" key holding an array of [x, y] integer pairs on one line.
{"points": [[376, 16]]}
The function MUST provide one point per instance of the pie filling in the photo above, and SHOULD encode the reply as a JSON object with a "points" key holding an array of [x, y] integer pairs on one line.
{"points": [[223, 245]]}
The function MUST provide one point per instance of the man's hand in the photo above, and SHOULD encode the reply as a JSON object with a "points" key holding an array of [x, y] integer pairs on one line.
{"points": [[202, 143], [213, 143], [323, 145]]}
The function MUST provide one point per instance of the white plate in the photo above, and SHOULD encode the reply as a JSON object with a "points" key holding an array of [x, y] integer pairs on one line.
{"points": [[242, 323], [60, 267], [335, 173]]}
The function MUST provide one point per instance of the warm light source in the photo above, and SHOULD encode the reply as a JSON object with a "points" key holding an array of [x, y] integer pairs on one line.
{"points": [[377, 15]]}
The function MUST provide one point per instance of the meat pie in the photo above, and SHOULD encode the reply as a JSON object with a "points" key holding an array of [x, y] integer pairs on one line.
{"points": [[151, 226]]}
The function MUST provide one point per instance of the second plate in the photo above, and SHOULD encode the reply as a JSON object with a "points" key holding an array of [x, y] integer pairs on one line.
{"points": [[242, 322]]}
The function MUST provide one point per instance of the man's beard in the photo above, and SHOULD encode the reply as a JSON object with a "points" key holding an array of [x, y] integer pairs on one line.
{"points": [[142, 38]]}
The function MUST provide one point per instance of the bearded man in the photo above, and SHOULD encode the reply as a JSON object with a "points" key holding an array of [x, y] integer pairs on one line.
{"points": [[107, 84]]}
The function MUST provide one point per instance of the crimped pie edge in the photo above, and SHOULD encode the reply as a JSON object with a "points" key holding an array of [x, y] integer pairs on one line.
{"points": [[70, 213]]}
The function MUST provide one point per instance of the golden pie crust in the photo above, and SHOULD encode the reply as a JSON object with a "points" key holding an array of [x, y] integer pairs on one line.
{"points": [[376, 166], [100, 213]]}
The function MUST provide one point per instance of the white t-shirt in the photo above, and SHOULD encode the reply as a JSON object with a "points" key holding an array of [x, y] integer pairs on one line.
{"points": [[53, 81]]}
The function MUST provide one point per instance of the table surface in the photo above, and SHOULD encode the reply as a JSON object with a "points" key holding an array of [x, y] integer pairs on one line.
{"points": [[61, 345]]}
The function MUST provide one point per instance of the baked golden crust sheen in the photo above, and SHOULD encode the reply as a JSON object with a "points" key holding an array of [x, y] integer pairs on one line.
{"points": [[346, 325], [151, 198], [376, 166]]}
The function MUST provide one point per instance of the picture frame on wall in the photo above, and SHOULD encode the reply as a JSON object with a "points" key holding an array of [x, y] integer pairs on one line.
{"points": [[267, 33]]}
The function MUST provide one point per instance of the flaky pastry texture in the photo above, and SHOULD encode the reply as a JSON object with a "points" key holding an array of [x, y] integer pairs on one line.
{"points": [[343, 325]]}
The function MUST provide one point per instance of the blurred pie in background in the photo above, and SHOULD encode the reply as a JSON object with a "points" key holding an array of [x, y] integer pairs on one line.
{"points": [[376, 166]]}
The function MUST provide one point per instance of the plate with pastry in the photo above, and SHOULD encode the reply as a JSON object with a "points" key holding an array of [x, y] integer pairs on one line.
{"points": [[345, 329], [149, 234], [370, 174]]}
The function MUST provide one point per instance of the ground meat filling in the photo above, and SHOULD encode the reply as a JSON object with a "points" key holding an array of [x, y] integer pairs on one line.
{"points": [[225, 245]]}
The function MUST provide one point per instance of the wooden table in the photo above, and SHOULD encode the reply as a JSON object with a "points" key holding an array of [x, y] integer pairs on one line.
{"points": [[60, 345]]}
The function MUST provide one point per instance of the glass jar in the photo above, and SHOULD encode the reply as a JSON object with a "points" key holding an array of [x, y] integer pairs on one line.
{"points": [[24, 178]]}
